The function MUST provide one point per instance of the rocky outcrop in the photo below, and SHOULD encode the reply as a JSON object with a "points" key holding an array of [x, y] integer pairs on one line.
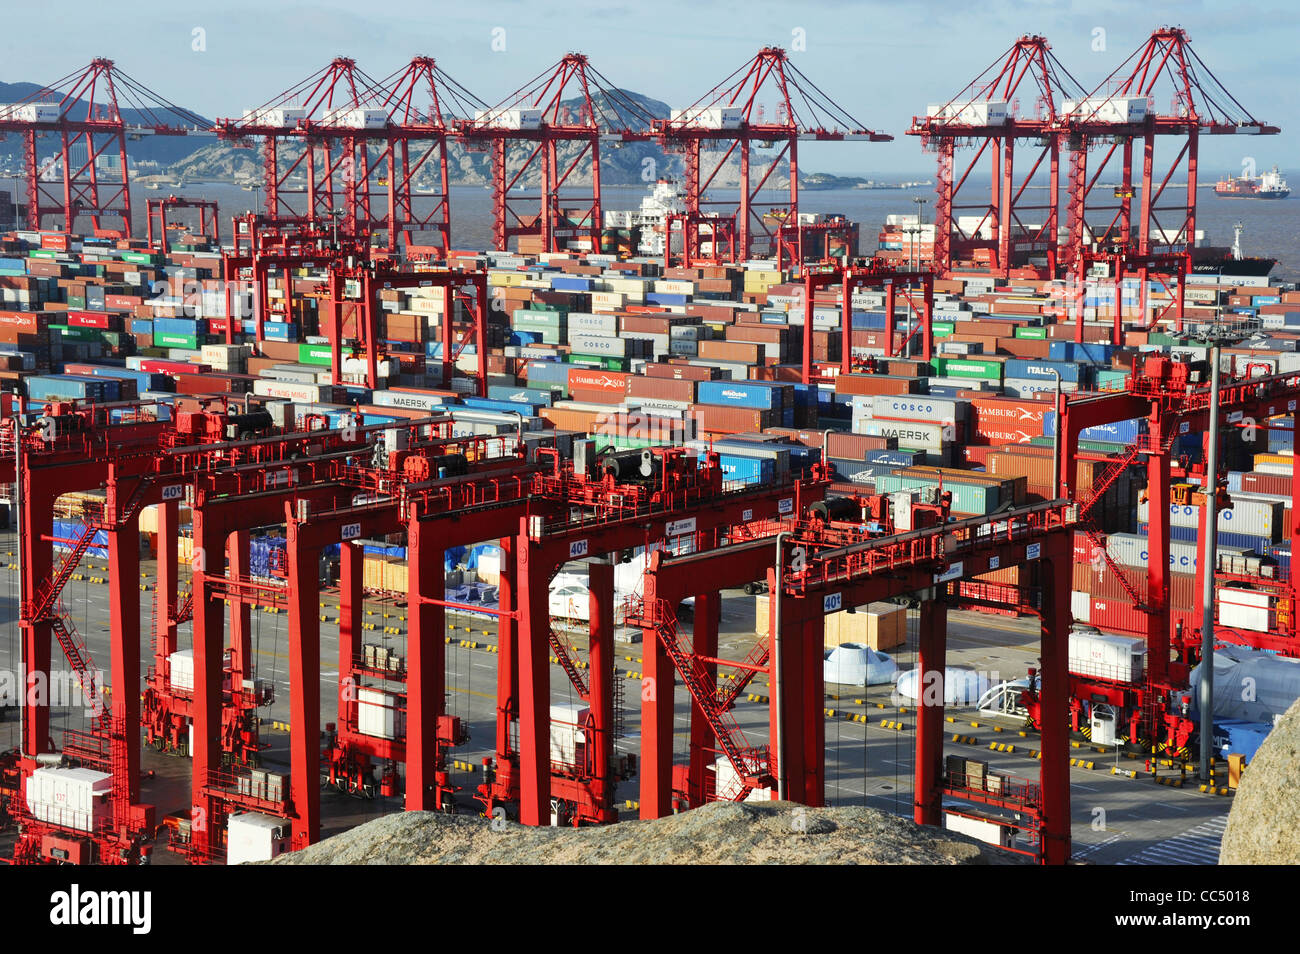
{"points": [[1264, 824], [719, 833]]}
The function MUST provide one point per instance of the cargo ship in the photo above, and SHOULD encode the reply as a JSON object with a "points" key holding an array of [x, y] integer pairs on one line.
{"points": [[1270, 185]]}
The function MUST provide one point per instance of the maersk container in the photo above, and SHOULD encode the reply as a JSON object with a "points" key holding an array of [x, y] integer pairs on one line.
{"points": [[912, 434], [1259, 518], [753, 394]]}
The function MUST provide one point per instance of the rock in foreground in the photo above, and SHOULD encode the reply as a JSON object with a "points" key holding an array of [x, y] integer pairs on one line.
{"points": [[1264, 824], [719, 833]]}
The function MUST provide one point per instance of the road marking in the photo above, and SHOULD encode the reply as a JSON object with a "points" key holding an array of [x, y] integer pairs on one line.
{"points": [[1196, 846]]}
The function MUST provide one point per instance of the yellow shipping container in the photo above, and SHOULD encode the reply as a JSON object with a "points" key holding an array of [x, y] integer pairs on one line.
{"points": [[500, 279]]}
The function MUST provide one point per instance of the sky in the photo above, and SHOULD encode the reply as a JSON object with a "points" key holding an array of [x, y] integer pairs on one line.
{"points": [[881, 62]]}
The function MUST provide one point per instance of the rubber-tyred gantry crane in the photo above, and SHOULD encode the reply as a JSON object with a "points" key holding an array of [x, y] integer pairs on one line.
{"points": [[208, 225], [814, 566], [84, 111], [1016, 99], [732, 120], [872, 274], [569, 103]]}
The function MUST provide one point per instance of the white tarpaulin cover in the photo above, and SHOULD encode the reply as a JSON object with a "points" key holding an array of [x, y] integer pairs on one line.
{"points": [[855, 664], [961, 687], [1250, 684]]}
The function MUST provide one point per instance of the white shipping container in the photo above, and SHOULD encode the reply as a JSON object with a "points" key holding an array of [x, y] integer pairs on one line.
{"points": [[917, 407], [509, 118], [1080, 606], [379, 714], [74, 798], [708, 117], [180, 666], [592, 324], [30, 112], [1107, 109], [986, 831], [913, 434], [273, 116], [251, 836], [1107, 656], [356, 118], [1260, 518], [566, 731], [300, 392], [969, 114]]}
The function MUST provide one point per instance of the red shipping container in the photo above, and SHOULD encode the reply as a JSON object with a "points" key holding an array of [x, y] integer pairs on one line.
{"points": [[54, 240], [856, 446], [730, 419], [1116, 616], [589, 379], [663, 389], [1005, 420], [875, 384], [689, 372]]}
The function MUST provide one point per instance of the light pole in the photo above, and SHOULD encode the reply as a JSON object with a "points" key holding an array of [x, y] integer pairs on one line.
{"points": [[1212, 334], [919, 202]]}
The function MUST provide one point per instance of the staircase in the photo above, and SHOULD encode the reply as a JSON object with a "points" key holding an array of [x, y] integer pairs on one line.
{"points": [[49, 593], [750, 762], [566, 662], [757, 658]]}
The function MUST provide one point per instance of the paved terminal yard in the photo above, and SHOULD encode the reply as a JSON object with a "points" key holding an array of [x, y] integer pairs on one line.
{"points": [[870, 737]]}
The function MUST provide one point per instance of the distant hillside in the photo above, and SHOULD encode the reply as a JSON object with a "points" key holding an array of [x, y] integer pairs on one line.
{"points": [[161, 149], [630, 163]]}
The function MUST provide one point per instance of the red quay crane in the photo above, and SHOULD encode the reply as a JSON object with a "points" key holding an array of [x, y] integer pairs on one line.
{"points": [[84, 111], [571, 102], [728, 123], [987, 114], [422, 101], [328, 114], [1162, 90]]}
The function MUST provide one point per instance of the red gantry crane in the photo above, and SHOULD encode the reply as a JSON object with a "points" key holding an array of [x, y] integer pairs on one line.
{"points": [[570, 103], [730, 121], [84, 113], [992, 113], [1156, 237]]}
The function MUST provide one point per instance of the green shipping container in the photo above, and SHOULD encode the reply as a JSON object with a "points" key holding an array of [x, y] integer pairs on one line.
{"points": [[1039, 333], [942, 329], [141, 258], [189, 342], [966, 498], [967, 368], [314, 354], [78, 334], [43, 253], [596, 361]]}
